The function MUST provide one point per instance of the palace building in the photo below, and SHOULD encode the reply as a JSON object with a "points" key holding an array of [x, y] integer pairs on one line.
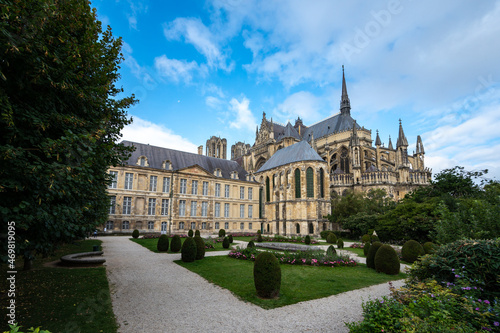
{"points": [[282, 184]]}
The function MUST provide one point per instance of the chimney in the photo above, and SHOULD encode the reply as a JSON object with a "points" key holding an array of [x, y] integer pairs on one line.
{"points": [[200, 150]]}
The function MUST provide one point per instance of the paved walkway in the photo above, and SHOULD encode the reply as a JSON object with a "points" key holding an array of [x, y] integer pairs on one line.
{"points": [[152, 294]]}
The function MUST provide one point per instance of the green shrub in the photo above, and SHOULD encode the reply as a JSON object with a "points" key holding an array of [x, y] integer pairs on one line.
{"points": [[307, 240], [162, 245], [222, 233], [135, 233], [267, 275], [411, 250], [430, 247], [251, 244], [176, 244], [365, 239], [330, 252], [374, 238], [197, 233], [259, 232], [324, 234], [189, 250], [190, 233], [259, 238], [387, 260], [340, 243], [225, 243], [331, 238], [370, 257], [230, 239], [366, 248], [200, 247]]}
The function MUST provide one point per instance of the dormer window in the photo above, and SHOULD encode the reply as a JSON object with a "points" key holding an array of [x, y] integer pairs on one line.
{"points": [[217, 172], [234, 175], [167, 165], [142, 161]]}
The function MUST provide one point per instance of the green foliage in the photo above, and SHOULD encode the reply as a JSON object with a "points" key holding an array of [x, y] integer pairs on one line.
{"points": [[16, 329], [197, 233], [331, 238], [162, 245], [60, 118], [225, 243], [340, 243], [370, 257], [374, 238], [330, 252], [259, 238], [251, 244], [366, 248], [387, 260], [307, 240], [135, 233], [190, 233], [411, 251], [430, 247], [222, 233], [259, 232], [200, 247], [267, 275], [230, 237], [189, 250], [176, 244], [366, 238], [324, 234]]}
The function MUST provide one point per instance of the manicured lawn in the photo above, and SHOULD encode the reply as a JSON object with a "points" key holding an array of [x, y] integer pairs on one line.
{"points": [[244, 239], [151, 243], [359, 252], [62, 299], [298, 283]]}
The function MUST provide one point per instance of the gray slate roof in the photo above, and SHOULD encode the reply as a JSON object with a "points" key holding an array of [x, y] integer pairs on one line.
{"points": [[181, 159], [288, 132], [300, 151], [336, 123]]}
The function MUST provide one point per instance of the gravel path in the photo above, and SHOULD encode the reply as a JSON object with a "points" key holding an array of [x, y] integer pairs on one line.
{"points": [[152, 294]]}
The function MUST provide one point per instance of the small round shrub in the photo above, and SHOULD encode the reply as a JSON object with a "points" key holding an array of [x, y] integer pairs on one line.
{"points": [[340, 243], [222, 233], [259, 238], [331, 238], [188, 251], [366, 248], [307, 240], [259, 232], [200, 247], [374, 238], [190, 233], [162, 245], [176, 244], [430, 247], [324, 234], [250, 244], [387, 260], [230, 239], [135, 233], [267, 275], [225, 243], [365, 238], [330, 252], [197, 233], [411, 250], [370, 257]]}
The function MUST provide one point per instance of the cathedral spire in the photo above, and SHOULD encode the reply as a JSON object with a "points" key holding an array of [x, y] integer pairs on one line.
{"points": [[345, 104], [378, 142], [401, 138], [390, 144], [420, 145]]}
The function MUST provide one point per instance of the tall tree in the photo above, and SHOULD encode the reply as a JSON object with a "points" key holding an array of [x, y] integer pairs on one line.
{"points": [[60, 117]]}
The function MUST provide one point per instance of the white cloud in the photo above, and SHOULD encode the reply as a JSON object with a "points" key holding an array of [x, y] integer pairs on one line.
{"points": [[140, 72], [143, 131], [177, 70], [302, 104], [244, 117], [214, 102]]}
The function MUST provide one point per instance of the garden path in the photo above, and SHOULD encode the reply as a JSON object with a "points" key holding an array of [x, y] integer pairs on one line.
{"points": [[150, 293]]}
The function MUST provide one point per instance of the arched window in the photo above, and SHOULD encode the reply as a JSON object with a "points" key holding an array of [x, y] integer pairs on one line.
{"points": [[261, 194], [297, 183], [143, 161], [311, 228], [310, 182], [297, 228], [321, 183], [268, 191], [344, 160]]}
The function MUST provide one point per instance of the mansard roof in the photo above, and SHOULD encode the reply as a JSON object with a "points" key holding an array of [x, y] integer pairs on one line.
{"points": [[181, 160], [337, 123], [298, 152]]}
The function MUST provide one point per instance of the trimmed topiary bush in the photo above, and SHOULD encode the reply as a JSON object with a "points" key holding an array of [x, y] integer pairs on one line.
{"points": [[267, 275], [307, 240], [162, 245], [190, 233], [259, 232], [135, 233], [225, 243], [259, 238], [222, 233], [250, 244], [430, 247], [324, 234], [197, 233], [340, 243], [374, 238], [366, 248], [188, 251], [230, 237], [331, 238], [330, 252], [176, 244], [370, 257], [365, 238], [387, 260], [200, 247], [411, 250]]}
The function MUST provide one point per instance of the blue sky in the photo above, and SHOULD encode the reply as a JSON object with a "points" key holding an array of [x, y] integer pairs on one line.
{"points": [[211, 68]]}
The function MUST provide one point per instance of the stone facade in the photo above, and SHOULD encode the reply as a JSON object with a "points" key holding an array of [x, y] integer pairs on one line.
{"points": [[216, 147]]}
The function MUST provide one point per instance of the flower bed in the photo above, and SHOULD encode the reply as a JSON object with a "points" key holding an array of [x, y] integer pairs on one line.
{"points": [[311, 258], [357, 245], [152, 236], [278, 238]]}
